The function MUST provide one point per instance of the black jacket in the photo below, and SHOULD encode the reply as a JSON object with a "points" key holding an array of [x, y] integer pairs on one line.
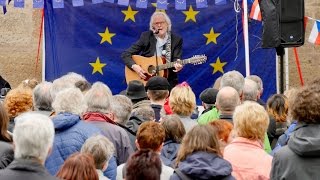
{"points": [[6, 154], [25, 169], [146, 46]]}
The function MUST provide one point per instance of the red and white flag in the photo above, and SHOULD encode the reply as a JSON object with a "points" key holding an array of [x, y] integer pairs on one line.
{"points": [[315, 33], [255, 11]]}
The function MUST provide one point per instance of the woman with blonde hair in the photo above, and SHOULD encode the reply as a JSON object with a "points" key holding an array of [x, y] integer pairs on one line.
{"points": [[182, 102], [245, 152], [199, 156]]}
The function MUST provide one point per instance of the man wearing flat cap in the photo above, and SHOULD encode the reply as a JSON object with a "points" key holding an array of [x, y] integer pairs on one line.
{"points": [[157, 90], [210, 113]]}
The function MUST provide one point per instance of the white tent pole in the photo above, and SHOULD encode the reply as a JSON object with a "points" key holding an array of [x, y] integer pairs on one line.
{"points": [[246, 36], [286, 63], [43, 53]]}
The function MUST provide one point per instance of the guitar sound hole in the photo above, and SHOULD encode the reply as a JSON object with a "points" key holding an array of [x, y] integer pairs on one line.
{"points": [[152, 70]]}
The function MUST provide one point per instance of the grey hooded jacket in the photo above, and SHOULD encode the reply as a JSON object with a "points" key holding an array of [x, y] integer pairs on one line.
{"points": [[300, 159]]}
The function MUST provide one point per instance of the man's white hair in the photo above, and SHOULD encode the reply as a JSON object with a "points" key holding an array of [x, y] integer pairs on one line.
{"points": [[98, 98], [166, 17], [33, 136], [250, 90], [233, 79], [69, 100]]}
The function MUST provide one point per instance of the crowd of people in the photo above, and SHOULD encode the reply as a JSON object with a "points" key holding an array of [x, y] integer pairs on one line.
{"points": [[70, 129]]}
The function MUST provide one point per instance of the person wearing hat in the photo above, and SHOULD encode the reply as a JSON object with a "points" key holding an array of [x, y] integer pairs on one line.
{"points": [[210, 113], [157, 90], [137, 93]]}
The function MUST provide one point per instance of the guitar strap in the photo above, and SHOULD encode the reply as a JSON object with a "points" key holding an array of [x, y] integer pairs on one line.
{"points": [[168, 48]]}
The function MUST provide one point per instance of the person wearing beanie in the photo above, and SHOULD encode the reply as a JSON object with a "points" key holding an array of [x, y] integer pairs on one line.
{"points": [[157, 90], [210, 113]]}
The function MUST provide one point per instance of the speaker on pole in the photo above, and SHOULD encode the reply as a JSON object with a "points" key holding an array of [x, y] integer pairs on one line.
{"points": [[291, 14], [283, 23]]}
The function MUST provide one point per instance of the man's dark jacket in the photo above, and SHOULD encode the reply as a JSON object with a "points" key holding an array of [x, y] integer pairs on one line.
{"points": [[146, 46]]}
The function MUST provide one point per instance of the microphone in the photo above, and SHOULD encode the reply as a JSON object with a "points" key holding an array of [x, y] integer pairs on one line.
{"points": [[155, 30]]}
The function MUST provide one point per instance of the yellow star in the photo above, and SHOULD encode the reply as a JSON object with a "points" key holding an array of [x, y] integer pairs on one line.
{"points": [[106, 36], [160, 10], [190, 14], [212, 37], [218, 66], [97, 66], [129, 14]]}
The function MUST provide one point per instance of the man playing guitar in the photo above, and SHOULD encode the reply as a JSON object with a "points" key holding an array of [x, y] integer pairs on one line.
{"points": [[158, 41]]}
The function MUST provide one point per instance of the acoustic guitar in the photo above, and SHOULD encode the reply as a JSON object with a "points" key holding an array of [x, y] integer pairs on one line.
{"points": [[149, 65]]}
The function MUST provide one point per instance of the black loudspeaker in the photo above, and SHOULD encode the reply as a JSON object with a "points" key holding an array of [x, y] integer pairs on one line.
{"points": [[291, 16]]}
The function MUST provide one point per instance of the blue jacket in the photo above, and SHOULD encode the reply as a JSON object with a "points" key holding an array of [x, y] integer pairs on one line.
{"points": [[70, 135], [284, 138], [169, 153], [204, 165]]}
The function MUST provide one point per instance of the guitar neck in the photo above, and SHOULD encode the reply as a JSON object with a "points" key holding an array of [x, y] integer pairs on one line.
{"points": [[171, 64]]}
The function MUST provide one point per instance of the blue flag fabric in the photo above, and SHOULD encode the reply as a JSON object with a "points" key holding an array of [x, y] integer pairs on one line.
{"points": [[18, 3], [90, 39], [38, 3], [57, 3]]}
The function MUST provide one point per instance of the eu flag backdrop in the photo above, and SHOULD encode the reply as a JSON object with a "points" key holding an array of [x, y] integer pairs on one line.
{"points": [[89, 40]]}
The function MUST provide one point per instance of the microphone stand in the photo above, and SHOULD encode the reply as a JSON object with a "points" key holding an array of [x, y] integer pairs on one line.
{"points": [[155, 31]]}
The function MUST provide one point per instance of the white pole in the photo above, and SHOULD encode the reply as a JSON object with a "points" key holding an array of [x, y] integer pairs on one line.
{"points": [[43, 53], [286, 63], [246, 36], [277, 74]]}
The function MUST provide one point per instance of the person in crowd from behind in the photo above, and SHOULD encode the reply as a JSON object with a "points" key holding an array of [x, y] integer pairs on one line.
{"points": [[4, 123], [4, 83], [143, 164], [174, 131], [145, 113], [6, 148], [216, 84], [227, 101], [16, 102], [137, 93], [182, 102], [66, 81], [199, 156], [71, 131], [29, 83], [233, 79], [157, 89], [277, 108], [223, 129], [78, 166], [250, 125], [259, 82], [210, 113], [102, 150], [33, 137], [98, 100], [121, 108], [155, 41], [300, 159], [284, 138], [42, 100], [250, 91], [150, 135], [83, 85]]}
